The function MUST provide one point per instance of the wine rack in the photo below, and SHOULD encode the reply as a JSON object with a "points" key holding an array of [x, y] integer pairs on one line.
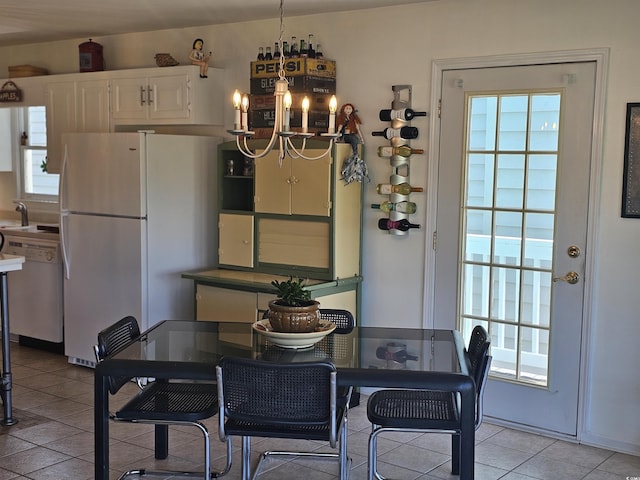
{"points": [[400, 164]]}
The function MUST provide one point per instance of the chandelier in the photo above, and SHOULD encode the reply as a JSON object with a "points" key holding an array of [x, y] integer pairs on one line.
{"points": [[282, 134]]}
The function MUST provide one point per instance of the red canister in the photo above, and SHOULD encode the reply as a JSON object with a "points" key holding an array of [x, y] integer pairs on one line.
{"points": [[91, 57]]}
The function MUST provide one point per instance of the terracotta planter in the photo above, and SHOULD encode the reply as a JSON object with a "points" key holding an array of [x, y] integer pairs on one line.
{"points": [[284, 318]]}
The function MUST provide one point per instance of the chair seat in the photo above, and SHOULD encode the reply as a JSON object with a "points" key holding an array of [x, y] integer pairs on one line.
{"points": [[166, 401], [305, 431], [422, 409]]}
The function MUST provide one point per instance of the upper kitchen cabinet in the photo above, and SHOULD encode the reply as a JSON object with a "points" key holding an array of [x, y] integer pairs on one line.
{"points": [[74, 106], [175, 95], [298, 187]]}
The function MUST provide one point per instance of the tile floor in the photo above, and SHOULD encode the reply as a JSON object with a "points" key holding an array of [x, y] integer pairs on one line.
{"points": [[53, 440]]}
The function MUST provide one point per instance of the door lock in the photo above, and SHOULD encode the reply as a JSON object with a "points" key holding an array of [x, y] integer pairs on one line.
{"points": [[573, 251], [570, 277]]}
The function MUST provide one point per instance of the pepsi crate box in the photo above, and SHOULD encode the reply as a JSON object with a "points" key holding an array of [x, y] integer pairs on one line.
{"points": [[301, 84], [294, 67], [267, 118], [268, 102]]}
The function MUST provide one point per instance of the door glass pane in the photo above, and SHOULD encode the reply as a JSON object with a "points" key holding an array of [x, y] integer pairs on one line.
{"points": [[482, 123], [508, 228], [513, 122]]}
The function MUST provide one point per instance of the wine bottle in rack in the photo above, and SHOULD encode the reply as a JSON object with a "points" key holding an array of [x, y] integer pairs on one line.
{"points": [[400, 207], [401, 189], [403, 132], [260, 53], [285, 50], [403, 114], [312, 52], [319, 53], [402, 150], [276, 51], [268, 56], [402, 225], [304, 50]]}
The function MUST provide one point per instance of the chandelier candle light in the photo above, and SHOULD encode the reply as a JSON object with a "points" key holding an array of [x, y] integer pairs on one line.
{"points": [[281, 130]]}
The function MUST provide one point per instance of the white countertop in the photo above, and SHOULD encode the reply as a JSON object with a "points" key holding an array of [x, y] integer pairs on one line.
{"points": [[9, 263]]}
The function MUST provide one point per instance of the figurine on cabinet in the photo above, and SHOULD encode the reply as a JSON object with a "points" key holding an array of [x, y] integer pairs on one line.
{"points": [[353, 168], [198, 57]]}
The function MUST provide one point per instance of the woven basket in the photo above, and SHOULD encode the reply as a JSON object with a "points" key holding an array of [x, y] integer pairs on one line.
{"points": [[165, 60]]}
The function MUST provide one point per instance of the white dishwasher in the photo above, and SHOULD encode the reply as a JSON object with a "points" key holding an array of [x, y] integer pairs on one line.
{"points": [[35, 292]]}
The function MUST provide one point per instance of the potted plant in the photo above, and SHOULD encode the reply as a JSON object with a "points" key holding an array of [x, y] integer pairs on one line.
{"points": [[293, 311]]}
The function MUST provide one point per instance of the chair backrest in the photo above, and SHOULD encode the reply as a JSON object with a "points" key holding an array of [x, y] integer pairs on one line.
{"points": [[113, 339], [278, 394], [480, 389], [342, 318], [478, 347]]}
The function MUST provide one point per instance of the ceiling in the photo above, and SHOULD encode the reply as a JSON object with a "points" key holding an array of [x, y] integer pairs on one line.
{"points": [[35, 21]]}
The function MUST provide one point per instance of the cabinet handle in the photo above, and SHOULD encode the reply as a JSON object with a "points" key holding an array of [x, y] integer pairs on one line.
{"points": [[149, 95], [142, 96], [292, 180]]}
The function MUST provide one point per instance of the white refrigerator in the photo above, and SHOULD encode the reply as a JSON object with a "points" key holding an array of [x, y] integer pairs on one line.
{"points": [[136, 210]]}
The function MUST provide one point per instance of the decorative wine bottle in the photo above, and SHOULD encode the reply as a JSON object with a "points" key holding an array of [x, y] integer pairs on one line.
{"points": [[402, 150], [294, 48], [401, 207], [268, 56], [304, 51], [312, 52], [276, 51], [400, 356], [402, 114], [402, 132], [401, 188], [319, 53], [260, 54], [402, 225]]}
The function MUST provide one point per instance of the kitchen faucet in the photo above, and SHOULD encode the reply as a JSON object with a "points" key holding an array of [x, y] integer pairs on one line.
{"points": [[22, 208]]}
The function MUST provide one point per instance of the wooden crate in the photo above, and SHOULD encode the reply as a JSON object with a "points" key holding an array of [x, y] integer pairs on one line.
{"points": [[19, 71]]}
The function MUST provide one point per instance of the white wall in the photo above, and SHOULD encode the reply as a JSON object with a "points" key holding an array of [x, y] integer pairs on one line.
{"points": [[378, 48]]}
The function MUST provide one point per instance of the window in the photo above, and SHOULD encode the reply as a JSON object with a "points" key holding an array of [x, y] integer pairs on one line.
{"points": [[35, 183]]}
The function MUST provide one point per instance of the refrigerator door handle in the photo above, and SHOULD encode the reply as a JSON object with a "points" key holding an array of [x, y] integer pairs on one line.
{"points": [[64, 213]]}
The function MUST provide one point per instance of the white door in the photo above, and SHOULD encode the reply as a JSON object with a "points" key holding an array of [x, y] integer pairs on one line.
{"points": [[513, 189]]}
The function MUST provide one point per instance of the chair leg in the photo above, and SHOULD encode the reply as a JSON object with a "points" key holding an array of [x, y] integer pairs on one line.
{"points": [[455, 454], [372, 463], [246, 458], [343, 457]]}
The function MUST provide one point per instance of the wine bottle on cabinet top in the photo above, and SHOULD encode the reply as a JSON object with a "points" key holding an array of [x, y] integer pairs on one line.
{"points": [[401, 207], [402, 114], [260, 53], [402, 150], [294, 48], [402, 189], [268, 56], [276, 51], [402, 225], [407, 133], [312, 52], [319, 53]]}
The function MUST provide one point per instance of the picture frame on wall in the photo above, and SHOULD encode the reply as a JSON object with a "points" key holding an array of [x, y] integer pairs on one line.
{"points": [[631, 174]]}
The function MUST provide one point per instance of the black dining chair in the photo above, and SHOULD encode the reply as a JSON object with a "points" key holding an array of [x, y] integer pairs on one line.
{"points": [[281, 400], [160, 402], [402, 410]]}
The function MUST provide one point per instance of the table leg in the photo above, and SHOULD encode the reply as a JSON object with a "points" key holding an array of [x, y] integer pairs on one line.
{"points": [[101, 425], [7, 419], [162, 441]]}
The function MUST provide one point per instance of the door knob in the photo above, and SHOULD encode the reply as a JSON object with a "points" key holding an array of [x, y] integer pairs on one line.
{"points": [[570, 277]]}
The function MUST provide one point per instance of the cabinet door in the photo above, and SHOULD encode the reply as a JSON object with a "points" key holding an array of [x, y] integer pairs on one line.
{"points": [[298, 187], [272, 185], [129, 99], [93, 105], [217, 304], [168, 97], [61, 118], [311, 186], [235, 240]]}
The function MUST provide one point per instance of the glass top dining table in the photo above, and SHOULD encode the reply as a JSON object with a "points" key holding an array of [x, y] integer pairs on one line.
{"points": [[364, 357]]}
